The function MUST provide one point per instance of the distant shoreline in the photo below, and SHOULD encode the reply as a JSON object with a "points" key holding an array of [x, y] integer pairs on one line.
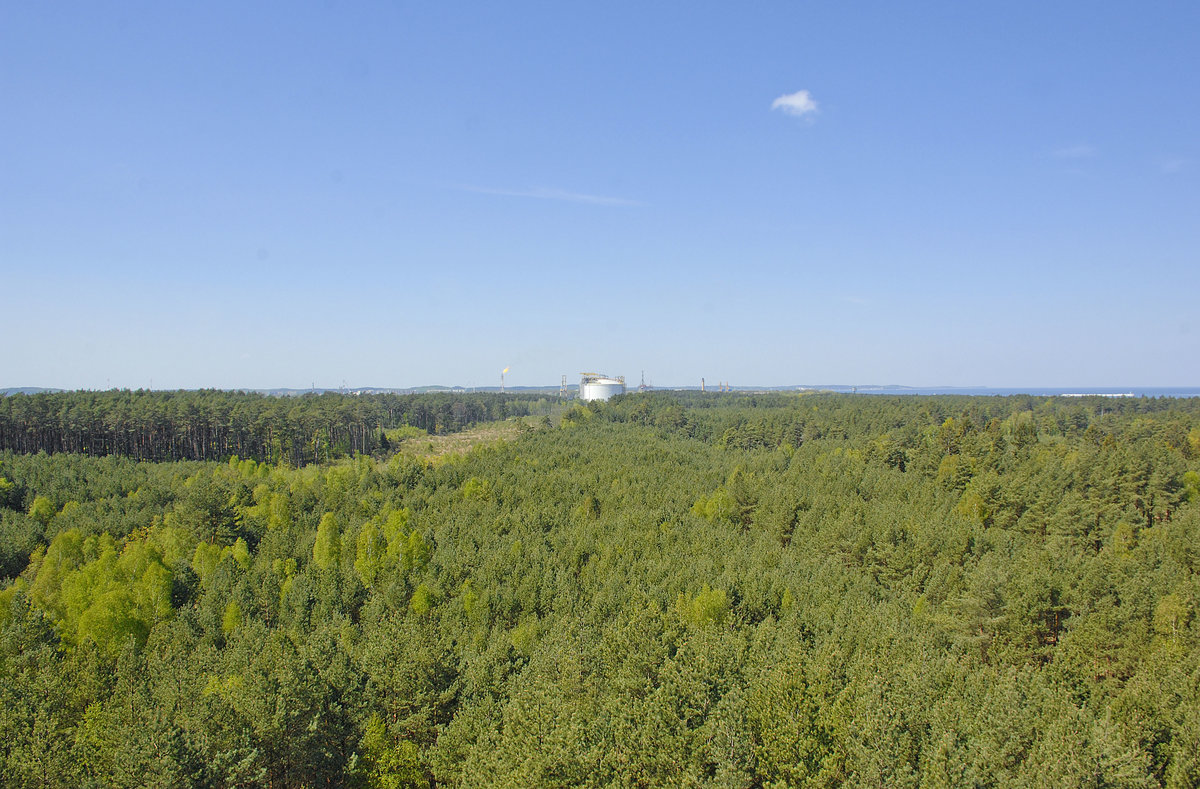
{"points": [[868, 389]]}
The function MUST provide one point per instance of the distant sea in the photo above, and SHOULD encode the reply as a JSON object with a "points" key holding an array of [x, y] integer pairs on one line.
{"points": [[1037, 391]]}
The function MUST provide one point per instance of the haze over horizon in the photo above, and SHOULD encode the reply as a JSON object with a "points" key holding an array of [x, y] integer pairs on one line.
{"points": [[270, 196], [1134, 390]]}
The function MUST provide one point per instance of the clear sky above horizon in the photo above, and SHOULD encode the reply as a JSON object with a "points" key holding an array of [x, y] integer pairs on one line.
{"points": [[398, 194]]}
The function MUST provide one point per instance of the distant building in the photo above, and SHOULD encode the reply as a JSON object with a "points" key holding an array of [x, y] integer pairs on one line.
{"points": [[595, 386]]}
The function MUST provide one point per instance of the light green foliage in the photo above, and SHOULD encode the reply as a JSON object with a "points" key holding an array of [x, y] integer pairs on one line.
{"points": [[417, 551], [1191, 485], [955, 471], [578, 415], [8, 492], [524, 636], [65, 554], [327, 550], [395, 523], [1172, 615], [395, 533], [733, 502], [174, 545], [477, 489], [205, 559], [42, 510], [721, 505], [245, 468], [389, 545], [240, 553], [470, 601], [370, 553], [231, 619], [422, 600], [675, 589], [279, 513], [404, 433], [284, 571], [390, 764], [102, 593], [708, 606]]}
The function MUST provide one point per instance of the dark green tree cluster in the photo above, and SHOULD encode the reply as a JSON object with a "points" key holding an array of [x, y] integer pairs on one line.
{"points": [[699, 590], [214, 424]]}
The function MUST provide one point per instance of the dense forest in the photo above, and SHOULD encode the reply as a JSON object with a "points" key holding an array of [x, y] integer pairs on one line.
{"points": [[664, 590], [212, 424]]}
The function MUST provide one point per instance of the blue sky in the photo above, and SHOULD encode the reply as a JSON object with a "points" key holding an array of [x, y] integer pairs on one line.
{"points": [[398, 194]]}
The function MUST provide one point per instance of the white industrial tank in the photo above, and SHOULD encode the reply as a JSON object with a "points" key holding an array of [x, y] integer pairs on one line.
{"points": [[593, 386]]}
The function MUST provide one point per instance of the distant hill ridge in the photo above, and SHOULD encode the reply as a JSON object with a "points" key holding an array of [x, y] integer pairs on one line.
{"points": [[28, 390], [863, 389]]}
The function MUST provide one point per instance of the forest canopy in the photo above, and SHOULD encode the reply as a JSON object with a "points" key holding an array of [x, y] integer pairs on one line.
{"points": [[212, 424], [683, 589]]}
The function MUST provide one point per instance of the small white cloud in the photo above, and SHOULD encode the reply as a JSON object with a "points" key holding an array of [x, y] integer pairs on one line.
{"points": [[1080, 151], [800, 104]]}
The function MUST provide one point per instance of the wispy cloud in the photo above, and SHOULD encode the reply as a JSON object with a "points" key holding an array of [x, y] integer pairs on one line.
{"points": [[546, 193], [1078, 151], [1173, 164], [799, 104]]}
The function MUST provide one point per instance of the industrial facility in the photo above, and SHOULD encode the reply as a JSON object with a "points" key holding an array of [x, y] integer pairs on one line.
{"points": [[596, 386]]}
